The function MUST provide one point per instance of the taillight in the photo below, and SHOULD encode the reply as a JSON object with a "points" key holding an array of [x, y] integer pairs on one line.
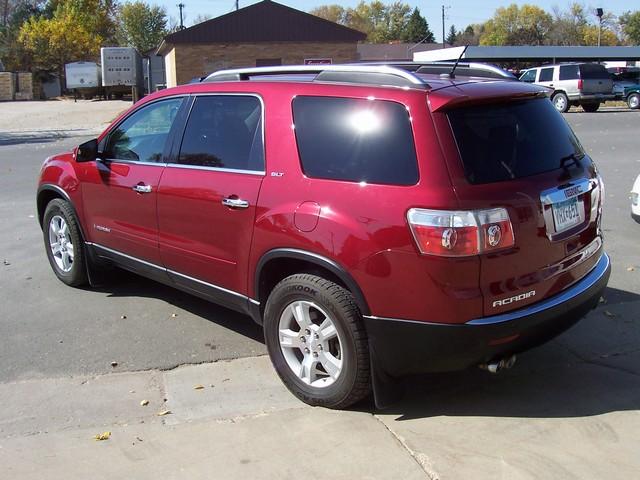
{"points": [[460, 233], [579, 84]]}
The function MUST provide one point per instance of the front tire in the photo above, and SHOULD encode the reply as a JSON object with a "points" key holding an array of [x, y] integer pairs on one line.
{"points": [[633, 101], [63, 243], [560, 102], [317, 342]]}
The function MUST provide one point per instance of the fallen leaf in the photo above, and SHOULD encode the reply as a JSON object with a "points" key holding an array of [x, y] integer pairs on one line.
{"points": [[114, 364], [6, 263], [174, 315], [163, 413], [102, 436], [139, 439], [602, 300], [144, 403], [198, 387], [123, 317], [630, 269], [609, 314]]}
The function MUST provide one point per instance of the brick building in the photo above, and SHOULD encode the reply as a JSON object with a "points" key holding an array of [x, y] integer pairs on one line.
{"points": [[263, 34]]}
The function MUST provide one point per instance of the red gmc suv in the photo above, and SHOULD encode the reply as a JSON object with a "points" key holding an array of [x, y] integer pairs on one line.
{"points": [[377, 220]]}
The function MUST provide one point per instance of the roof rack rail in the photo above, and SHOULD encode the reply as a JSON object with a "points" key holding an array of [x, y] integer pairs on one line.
{"points": [[465, 69], [382, 75]]}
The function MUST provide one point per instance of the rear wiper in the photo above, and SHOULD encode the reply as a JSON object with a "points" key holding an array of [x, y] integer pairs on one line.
{"points": [[572, 157]]}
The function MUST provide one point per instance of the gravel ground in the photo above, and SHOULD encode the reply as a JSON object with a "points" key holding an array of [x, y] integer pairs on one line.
{"points": [[23, 122]]}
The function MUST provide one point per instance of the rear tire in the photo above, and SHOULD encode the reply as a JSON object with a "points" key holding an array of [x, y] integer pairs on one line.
{"points": [[63, 243], [633, 101], [560, 102], [317, 342], [591, 107]]}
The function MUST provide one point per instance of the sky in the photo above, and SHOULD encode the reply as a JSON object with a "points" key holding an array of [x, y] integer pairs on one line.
{"points": [[457, 12]]}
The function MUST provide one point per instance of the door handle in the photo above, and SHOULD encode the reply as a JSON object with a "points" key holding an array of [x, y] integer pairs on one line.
{"points": [[232, 202], [140, 188]]}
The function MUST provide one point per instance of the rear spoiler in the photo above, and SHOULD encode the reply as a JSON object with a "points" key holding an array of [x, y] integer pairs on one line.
{"points": [[482, 93]]}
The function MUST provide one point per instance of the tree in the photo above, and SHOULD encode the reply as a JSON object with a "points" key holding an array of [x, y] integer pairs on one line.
{"points": [[568, 26], [470, 36], [452, 36], [607, 37], [513, 25], [63, 38], [630, 23], [333, 13], [417, 29], [12, 53], [98, 16], [142, 26]]}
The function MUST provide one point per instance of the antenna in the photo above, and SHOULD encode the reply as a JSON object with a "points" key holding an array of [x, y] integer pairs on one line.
{"points": [[181, 6], [452, 73]]}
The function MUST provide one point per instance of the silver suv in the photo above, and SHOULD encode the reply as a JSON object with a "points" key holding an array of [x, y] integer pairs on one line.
{"points": [[584, 84]]}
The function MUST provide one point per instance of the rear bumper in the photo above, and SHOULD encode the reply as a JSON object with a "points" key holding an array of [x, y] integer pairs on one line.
{"points": [[400, 347]]}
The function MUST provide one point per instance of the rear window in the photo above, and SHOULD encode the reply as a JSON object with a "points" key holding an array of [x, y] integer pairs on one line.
{"points": [[512, 140], [593, 71], [355, 140]]}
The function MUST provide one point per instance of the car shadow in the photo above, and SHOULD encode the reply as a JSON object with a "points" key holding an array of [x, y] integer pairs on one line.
{"points": [[592, 369], [120, 283]]}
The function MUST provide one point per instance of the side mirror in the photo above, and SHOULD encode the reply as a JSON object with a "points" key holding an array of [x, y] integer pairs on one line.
{"points": [[88, 151]]}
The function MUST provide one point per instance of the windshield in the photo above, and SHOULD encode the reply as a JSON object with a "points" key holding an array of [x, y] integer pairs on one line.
{"points": [[512, 140]]}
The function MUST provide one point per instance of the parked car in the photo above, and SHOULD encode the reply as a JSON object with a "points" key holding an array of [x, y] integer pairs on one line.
{"points": [[584, 84], [635, 200], [626, 85], [377, 221]]}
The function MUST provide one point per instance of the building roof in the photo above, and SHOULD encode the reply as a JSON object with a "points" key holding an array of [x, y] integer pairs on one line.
{"points": [[524, 53], [393, 51], [265, 21]]}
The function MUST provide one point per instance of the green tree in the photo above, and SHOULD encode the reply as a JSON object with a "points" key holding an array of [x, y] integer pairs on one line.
{"points": [[513, 25], [12, 53], [142, 26], [630, 23], [98, 16], [417, 29], [333, 13], [63, 38], [452, 36], [470, 36]]}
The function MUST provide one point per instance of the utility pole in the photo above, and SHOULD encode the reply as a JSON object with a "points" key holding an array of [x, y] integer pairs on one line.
{"points": [[443, 45], [181, 6], [237, 4], [599, 14]]}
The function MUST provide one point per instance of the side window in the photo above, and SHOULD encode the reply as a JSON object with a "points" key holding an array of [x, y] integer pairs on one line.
{"points": [[569, 72], [529, 76], [355, 140], [142, 136], [224, 131], [546, 75]]}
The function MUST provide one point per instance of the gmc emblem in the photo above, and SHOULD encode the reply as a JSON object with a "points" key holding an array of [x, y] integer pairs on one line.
{"points": [[516, 298]]}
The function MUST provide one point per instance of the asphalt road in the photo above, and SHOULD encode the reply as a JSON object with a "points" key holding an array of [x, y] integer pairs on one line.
{"points": [[50, 330]]}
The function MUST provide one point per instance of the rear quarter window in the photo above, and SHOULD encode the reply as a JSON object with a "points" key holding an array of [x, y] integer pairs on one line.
{"points": [[512, 140], [355, 140], [569, 72]]}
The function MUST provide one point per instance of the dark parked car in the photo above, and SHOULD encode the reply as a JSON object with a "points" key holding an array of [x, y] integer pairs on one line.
{"points": [[378, 221]]}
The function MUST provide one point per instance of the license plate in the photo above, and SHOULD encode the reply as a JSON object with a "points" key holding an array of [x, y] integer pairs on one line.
{"points": [[568, 214]]}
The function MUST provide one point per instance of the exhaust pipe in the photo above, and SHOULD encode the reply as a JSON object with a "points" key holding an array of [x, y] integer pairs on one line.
{"points": [[495, 367]]}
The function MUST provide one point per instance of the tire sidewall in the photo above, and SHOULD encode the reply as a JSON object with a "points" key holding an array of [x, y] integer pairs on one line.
{"points": [[293, 289], [76, 275], [566, 102], [633, 95]]}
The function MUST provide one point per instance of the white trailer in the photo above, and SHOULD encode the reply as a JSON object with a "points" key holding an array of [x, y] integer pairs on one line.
{"points": [[121, 67], [82, 75]]}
